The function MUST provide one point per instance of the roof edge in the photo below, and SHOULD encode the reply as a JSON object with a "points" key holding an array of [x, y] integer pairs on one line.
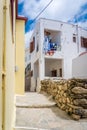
{"points": [[20, 17], [71, 24]]}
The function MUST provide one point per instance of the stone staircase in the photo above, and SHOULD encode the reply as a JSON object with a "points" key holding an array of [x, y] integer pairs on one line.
{"points": [[29, 109]]}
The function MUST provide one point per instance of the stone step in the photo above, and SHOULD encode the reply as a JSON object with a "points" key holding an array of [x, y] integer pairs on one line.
{"points": [[34, 100], [36, 105], [28, 128]]}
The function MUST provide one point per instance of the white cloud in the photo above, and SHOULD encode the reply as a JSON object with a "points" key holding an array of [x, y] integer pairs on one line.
{"points": [[58, 9], [63, 10], [27, 38], [83, 24], [20, 1]]}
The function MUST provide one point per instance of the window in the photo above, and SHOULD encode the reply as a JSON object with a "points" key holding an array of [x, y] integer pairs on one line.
{"points": [[83, 42], [74, 38]]}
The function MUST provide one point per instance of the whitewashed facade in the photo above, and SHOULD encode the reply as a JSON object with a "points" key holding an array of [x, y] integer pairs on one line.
{"points": [[79, 66], [56, 62]]}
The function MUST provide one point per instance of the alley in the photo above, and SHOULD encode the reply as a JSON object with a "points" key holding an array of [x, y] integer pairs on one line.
{"points": [[38, 112]]}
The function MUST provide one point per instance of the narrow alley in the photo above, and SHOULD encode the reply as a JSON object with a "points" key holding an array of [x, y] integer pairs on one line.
{"points": [[35, 111]]}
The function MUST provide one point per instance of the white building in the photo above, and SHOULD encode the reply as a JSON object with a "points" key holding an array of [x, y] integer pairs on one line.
{"points": [[79, 66], [53, 46]]}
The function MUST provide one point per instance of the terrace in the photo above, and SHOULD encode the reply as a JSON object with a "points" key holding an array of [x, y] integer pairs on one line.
{"points": [[52, 41]]}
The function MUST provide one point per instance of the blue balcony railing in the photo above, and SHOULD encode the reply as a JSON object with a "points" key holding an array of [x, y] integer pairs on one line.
{"points": [[52, 47]]}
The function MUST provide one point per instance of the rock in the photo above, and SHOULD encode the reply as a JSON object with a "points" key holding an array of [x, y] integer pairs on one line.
{"points": [[80, 84], [60, 87], [76, 117], [81, 112], [86, 86], [84, 115], [78, 96], [79, 90], [64, 100], [74, 107], [80, 102], [68, 100]]}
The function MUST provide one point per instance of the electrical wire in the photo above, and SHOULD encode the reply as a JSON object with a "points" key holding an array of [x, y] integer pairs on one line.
{"points": [[43, 10]]}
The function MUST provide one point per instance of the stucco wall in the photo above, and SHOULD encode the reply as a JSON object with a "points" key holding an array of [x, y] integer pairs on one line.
{"points": [[20, 57], [79, 67], [1, 40], [7, 54], [7, 48], [10, 72]]}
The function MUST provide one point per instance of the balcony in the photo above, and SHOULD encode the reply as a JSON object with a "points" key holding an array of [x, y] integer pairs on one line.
{"points": [[52, 41]]}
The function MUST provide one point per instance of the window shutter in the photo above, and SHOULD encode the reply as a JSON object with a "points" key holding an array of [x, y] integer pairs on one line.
{"points": [[32, 45], [83, 42]]}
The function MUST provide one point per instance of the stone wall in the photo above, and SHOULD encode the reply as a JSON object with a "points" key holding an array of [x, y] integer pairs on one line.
{"points": [[70, 95]]}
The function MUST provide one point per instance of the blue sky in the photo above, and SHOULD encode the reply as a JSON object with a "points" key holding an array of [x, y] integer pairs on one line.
{"points": [[73, 11]]}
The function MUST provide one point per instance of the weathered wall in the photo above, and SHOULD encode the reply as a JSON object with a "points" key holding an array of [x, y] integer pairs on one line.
{"points": [[79, 67], [20, 57]]}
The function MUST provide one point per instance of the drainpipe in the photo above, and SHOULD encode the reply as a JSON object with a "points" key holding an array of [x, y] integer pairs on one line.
{"points": [[4, 64]]}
